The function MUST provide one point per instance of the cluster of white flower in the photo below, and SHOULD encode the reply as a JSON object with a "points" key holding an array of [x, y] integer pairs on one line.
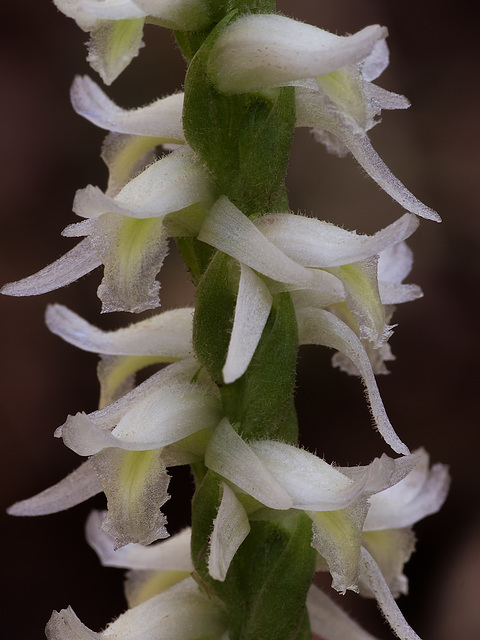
{"points": [[343, 287]]}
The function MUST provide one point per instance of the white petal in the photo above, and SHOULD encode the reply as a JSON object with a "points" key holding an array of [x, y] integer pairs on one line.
{"points": [[73, 265], [77, 487], [252, 309], [420, 494], [330, 621], [170, 184], [317, 326], [385, 600], [315, 243], [168, 333], [262, 51], [231, 457], [226, 228], [230, 528], [311, 482], [161, 119], [376, 62], [391, 549], [172, 554]]}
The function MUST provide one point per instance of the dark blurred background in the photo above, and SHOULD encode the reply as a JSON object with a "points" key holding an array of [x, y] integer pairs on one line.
{"points": [[432, 393]]}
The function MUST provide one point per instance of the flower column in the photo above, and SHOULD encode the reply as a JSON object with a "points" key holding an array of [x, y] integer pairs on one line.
{"points": [[244, 140]]}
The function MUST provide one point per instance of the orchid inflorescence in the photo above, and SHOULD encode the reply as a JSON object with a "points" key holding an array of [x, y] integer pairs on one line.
{"points": [[207, 168]]}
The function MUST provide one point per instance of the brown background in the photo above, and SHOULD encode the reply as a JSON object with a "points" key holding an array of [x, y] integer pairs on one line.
{"points": [[48, 152]]}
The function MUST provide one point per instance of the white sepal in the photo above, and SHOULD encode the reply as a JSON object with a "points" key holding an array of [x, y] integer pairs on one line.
{"points": [[262, 51], [252, 309], [168, 333], [316, 243], [230, 528], [73, 265], [78, 486], [317, 326], [385, 599], [161, 119]]}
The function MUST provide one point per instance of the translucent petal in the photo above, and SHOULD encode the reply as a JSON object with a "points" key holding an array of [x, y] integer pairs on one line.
{"points": [[113, 45], [363, 300], [330, 621], [231, 457], [78, 486], [170, 554], [261, 51], [161, 119], [230, 528], [73, 265], [317, 326], [337, 537], [420, 494], [168, 333], [385, 599], [252, 309], [132, 252], [391, 549], [135, 483], [316, 243]]}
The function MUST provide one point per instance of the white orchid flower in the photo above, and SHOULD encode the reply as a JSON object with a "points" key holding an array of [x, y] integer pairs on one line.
{"points": [[165, 421], [127, 233], [116, 26], [323, 265], [281, 477], [332, 75]]}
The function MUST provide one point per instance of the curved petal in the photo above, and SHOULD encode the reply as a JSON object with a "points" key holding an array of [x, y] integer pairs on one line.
{"points": [[316, 243], [78, 486], [161, 119], [317, 326], [168, 333], [73, 265], [385, 599]]}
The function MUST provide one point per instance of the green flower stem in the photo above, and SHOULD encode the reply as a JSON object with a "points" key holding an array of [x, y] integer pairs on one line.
{"points": [[244, 141]]}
